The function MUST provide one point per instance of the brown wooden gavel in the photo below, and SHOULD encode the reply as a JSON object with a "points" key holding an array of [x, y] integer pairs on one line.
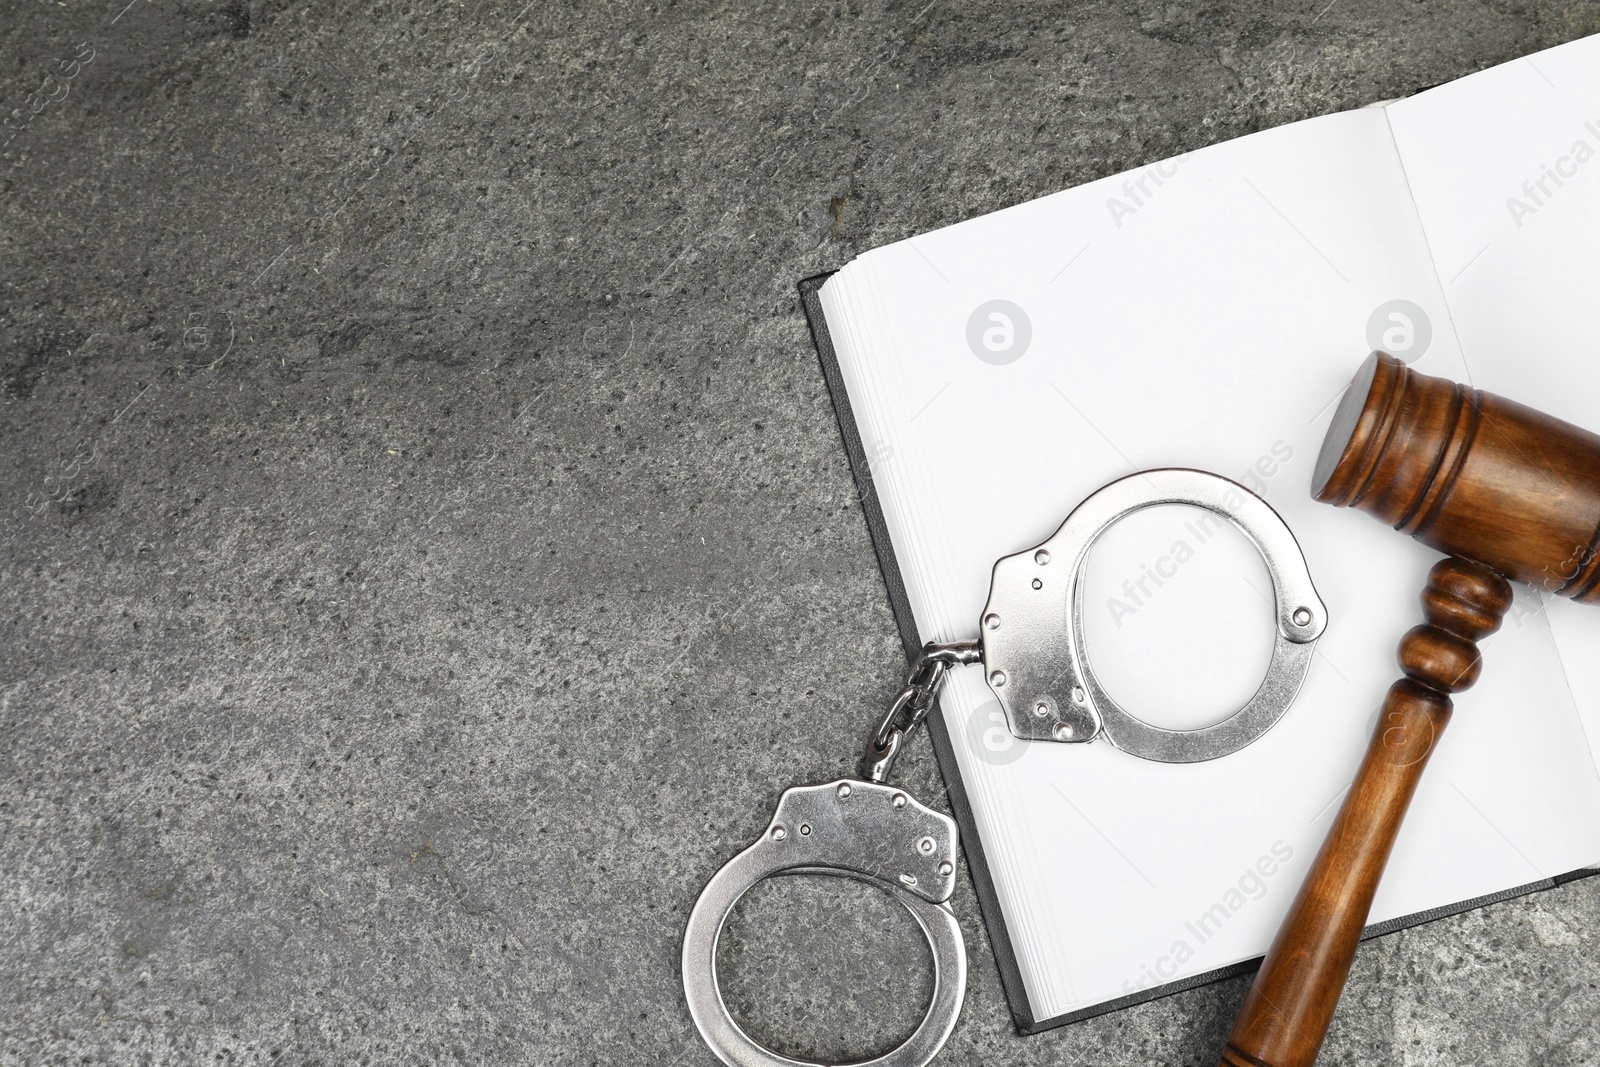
{"points": [[1507, 492]]}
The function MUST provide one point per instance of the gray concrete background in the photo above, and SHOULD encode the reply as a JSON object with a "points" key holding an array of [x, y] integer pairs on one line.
{"points": [[428, 548]]}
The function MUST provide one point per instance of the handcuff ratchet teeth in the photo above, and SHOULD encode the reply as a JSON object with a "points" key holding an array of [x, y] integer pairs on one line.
{"points": [[1031, 646]]}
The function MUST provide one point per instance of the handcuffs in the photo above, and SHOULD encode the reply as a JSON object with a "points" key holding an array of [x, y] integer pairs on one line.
{"points": [[1032, 648]]}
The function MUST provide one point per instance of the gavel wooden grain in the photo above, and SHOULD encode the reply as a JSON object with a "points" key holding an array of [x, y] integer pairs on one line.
{"points": [[1507, 492]]}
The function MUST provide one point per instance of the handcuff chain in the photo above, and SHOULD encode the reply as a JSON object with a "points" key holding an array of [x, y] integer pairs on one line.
{"points": [[911, 706]]}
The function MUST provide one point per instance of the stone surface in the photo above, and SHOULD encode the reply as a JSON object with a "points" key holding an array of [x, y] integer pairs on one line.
{"points": [[428, 549]]}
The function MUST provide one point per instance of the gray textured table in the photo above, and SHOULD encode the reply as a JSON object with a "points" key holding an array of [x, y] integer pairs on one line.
{"points": [[428, 548]]}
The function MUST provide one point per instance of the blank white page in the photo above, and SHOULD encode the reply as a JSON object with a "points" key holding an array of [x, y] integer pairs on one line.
{"points": [[1209, 319], [1505, 170]]}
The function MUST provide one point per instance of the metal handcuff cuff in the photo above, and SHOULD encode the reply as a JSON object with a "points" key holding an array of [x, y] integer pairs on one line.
{"points": [[1031, 646]]}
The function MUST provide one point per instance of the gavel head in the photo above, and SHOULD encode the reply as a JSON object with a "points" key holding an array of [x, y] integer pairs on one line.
{"points": [[1469, 473]]}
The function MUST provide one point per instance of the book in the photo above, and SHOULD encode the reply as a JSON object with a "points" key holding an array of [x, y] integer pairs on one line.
{"points": [[1208, 311]]}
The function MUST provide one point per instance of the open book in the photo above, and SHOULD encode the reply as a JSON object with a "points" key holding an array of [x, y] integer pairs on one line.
{"points": [[1207, 311]]}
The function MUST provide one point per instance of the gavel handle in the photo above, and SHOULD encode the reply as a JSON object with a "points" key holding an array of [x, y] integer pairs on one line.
{"points": [[1291, 1002]]}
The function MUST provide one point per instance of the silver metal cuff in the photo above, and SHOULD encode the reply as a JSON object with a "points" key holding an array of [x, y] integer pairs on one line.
{"points": [[874, 833], [1033, 625]]}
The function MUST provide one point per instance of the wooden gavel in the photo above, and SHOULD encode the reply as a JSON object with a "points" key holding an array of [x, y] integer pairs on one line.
{"points": [[1507, 492]]}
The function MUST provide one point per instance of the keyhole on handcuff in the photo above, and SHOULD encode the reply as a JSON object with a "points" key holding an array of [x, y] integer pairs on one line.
{"points": [[823, 968], [1178, 616]]}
